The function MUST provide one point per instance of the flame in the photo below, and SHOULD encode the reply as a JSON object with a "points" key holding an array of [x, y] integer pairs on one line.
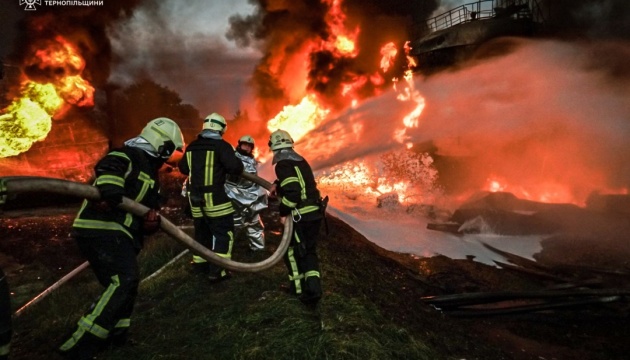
{"points": [[545, 191], [388, 53], [343, 40], [410, 176], [28, 118], [59, 54], [411, 62], [76, 91], [360, 177], [299, 119], [408, 92]]}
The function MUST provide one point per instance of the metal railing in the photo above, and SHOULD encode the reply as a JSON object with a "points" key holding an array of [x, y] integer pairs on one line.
{"points": [[487, 9]]}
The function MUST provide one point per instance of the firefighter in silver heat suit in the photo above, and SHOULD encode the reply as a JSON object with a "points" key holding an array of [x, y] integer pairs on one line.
{"points": [[248, 198]]}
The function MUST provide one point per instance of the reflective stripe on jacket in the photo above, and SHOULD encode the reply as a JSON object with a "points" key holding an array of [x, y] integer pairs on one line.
{"points": [[128, 172], [298, 189], [207, 162]]}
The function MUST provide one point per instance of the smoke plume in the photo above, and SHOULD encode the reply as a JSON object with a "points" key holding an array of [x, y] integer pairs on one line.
{"points": [[290, 35], [84, 26]]}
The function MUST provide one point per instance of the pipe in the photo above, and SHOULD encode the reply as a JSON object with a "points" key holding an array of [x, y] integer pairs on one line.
{"points": [[52, 288], [18, 185], [159, 271], [76, 271]]}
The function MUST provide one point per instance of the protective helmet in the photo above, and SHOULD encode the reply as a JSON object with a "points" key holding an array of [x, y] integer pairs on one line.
{"points": [[280, 139], [164, 135], [246, 139], [215, 122]]}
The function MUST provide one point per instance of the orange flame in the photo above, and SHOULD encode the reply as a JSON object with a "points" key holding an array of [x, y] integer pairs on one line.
{"points": [[410, 176], [343, 40], [362, 176], [388, 53], [299, 119], [29, 117]]}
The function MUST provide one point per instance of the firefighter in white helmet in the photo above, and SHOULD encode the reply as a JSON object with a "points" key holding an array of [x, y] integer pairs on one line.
{"points": [[248, 198], [300, 197], [207, 162], [110, 238]]}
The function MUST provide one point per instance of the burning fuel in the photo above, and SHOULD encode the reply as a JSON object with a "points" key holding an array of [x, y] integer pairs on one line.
{"points": [[28, 119], [334, 75], [299, 119]]}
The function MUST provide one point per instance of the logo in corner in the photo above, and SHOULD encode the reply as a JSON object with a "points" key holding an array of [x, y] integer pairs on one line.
{"points": [[30, 4]]}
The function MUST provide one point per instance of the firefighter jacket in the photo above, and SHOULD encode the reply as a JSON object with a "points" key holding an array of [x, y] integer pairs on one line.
{"points": [[207, 161], [297, 186], [129, 172]]}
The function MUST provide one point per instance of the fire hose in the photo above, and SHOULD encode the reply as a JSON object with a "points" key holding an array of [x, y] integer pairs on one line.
{"points": [[18, 185]]}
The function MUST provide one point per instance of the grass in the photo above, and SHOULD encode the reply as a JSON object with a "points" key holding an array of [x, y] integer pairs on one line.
{"points": [[370, 310]]}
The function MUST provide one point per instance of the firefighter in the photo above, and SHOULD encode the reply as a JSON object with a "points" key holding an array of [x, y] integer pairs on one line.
{"points": [[296, 185], [248, 198], [5, 317], [110, 238], [207, 161]]}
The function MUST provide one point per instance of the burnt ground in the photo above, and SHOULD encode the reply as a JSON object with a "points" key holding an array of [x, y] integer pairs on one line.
{"points": [[590, 253]]}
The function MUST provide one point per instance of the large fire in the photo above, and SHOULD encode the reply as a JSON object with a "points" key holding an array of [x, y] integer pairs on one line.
{"points": [[343, 101], [309, 113], [320, 129], [28, 118]]}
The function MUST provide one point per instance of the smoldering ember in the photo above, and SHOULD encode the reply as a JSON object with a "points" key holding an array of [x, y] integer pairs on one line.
{"points": [[478, 149]]}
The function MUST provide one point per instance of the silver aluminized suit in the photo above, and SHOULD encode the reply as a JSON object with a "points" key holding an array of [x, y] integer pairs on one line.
{"points": [[248, 200]]}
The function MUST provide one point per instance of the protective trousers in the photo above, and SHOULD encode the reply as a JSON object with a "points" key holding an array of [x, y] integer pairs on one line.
{"points": [[216, 234], [5, 317], [113, 260], [247, 221], [302, 261]]}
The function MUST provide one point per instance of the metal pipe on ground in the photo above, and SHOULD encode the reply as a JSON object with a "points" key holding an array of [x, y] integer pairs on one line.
{"points": [[52, 288], [75, 272]]}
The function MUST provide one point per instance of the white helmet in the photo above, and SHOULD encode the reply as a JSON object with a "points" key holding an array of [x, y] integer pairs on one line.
{"points": [[280, 139], [246, 139], [215, 122], [164, 135]]}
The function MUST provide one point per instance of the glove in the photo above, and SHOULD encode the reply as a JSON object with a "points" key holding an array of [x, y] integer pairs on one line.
{"points": [[151, 222]]}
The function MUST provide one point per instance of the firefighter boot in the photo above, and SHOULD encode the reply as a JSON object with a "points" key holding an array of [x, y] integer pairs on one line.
{"points": [[312, 291], [200, 268], [218, 275], [85, 348], [118, 337]]}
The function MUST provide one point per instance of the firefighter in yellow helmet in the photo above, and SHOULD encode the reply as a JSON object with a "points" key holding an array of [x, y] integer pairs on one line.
{"points": [[110, 238], [248, 198], [296, 185], [207, 161]]}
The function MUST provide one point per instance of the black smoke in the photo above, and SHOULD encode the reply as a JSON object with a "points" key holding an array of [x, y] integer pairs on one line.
{"points": [[588, 19], [84, 26], [282, 29]]}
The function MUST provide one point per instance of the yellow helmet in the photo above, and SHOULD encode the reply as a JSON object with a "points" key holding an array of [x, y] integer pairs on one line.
{"points": [[164, 135], [215, 122], [246, 139], [280, 139]]}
